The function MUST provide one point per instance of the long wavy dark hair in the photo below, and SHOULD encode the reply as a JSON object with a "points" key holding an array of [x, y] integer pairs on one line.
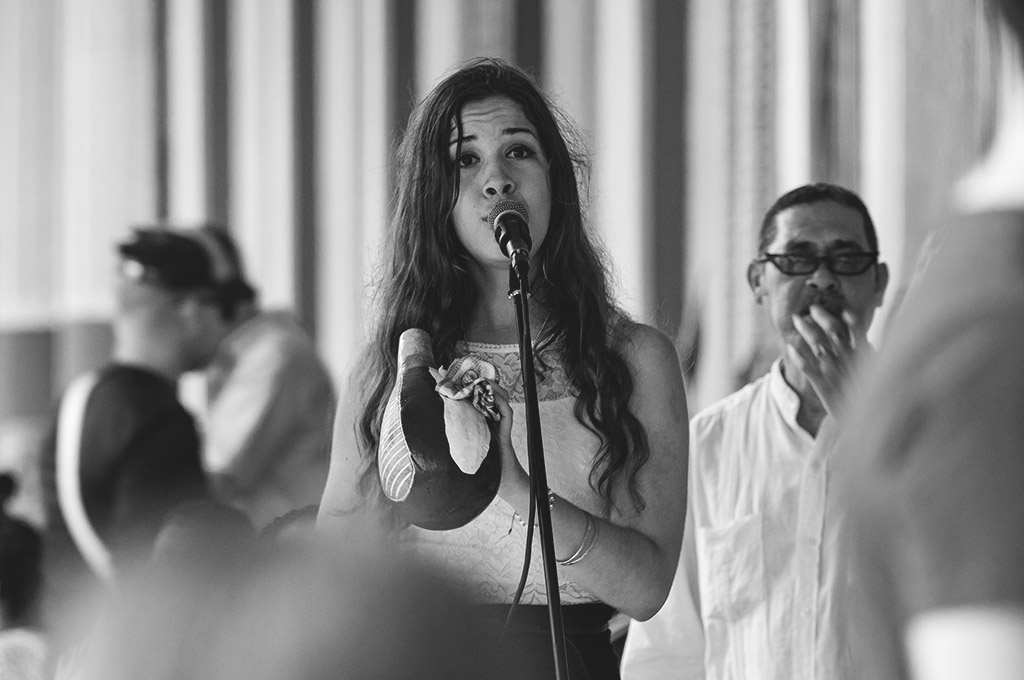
{"points": [[425, 281]]}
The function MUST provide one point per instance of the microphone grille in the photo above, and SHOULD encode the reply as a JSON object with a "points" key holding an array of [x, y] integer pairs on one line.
{"points": [[508, 206]]}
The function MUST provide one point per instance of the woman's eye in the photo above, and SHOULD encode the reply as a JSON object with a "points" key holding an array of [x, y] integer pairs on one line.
{"points": [[520, 152], [466, 160]]}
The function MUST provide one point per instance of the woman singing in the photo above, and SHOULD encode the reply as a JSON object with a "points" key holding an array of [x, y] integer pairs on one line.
{"points": [[611, 399]]}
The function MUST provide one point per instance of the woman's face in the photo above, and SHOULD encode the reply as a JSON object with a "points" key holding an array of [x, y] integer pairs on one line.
{"points": [[500, 158]]}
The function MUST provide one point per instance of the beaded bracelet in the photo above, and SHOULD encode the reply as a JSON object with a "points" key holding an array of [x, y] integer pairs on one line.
{"points": [[589, 539], [551, 506]]}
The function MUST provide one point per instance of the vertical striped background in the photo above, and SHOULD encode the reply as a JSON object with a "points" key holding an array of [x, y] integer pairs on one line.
{"points": [[279, 117]]}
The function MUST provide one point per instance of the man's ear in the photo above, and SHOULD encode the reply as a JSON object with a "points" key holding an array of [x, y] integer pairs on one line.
{"points": [[196, 310], [881, 282], [755, 278], [189, 306]]}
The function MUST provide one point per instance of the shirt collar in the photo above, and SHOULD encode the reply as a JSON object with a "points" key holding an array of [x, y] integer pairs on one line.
{"points": [[784, 396]]}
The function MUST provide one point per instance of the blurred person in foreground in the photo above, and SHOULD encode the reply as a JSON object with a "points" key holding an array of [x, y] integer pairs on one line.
{"points": [[205, 531], [201, 555], [761, 589], [305, 613], [612, 403], [22, 643], [936, 483], [293, 526]]}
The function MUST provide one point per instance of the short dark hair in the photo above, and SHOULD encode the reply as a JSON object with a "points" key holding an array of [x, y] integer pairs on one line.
{"points": [[815, 193], [202, 258]]}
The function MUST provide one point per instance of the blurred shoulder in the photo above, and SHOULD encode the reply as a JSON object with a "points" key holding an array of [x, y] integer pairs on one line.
{"points": [[127, 396], [654, 366], [134, 385], [271, 338], [279, 327], [642, 344]]}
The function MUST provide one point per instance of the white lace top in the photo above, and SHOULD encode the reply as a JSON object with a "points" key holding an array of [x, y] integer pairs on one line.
{"points": [[486, 556]]}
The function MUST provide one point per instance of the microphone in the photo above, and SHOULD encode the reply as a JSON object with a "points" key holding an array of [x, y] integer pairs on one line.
{"points": [[420, 460], [509, 220]]}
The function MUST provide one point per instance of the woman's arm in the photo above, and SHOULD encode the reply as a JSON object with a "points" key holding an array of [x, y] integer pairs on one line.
{"points": [[634, 555], [671, 643]]}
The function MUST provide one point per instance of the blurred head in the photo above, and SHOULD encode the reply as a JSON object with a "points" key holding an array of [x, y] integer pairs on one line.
{"points": [[293, 526], [180, 291], [21, 555], [204, 535], [201, 261], [818, 247], [304, 614]]}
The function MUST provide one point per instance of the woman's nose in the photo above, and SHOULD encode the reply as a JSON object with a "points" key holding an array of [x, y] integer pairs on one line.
{"points": [[499, 181]]}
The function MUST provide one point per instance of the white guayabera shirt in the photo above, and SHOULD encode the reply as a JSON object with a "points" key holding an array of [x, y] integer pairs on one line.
{"points": [[760, 591]]}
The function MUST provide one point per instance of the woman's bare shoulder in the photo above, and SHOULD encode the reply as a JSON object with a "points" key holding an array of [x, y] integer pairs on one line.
{"points": [[644, 347]]}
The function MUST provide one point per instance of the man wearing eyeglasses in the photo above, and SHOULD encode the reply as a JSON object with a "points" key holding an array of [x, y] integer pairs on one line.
{"points": [[818, 277], [760, 590]]}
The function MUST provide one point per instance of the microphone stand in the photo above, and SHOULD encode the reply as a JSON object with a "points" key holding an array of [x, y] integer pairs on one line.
{"points": [[519, 291]]}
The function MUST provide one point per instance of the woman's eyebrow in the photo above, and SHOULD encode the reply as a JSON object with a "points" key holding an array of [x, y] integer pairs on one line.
{"points": [[518, 130], [505, 131]]}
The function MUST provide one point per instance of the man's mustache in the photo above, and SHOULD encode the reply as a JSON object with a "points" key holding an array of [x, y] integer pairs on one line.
{"points": [[832, 301]]}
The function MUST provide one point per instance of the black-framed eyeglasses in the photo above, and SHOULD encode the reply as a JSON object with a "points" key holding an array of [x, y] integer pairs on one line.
{"points": [[841, 264]]}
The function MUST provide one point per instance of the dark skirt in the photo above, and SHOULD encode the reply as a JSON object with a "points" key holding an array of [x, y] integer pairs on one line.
{"points": [[525, 651]]}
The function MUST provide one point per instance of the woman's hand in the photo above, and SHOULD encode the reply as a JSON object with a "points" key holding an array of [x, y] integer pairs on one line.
{"points": [[515, 482]]}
